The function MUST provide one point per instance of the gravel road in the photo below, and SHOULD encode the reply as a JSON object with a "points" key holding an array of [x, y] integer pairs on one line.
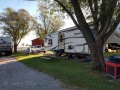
{"points": [[16, 76]]}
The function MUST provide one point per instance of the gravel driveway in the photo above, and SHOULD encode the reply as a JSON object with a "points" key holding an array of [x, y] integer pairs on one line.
{"points": [[16, 76]]}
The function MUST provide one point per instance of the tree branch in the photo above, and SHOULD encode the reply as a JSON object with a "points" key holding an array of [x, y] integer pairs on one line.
{"points": [[103, 13], [83, 26], [94, 11], [108, 21], [68, 12], [112, 29], [91, 8], [19, 41]]}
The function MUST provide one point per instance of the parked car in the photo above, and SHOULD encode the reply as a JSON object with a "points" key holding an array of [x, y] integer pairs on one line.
{"points": [[36, 49]]}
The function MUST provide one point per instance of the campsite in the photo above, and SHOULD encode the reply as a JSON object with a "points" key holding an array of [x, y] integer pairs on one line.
{"points": [[60, 45]]}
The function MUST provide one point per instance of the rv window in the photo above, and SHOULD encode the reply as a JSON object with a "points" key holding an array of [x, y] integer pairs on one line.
{"points": [[76, 33], [61, 38], [70, 47], [50, 42]]}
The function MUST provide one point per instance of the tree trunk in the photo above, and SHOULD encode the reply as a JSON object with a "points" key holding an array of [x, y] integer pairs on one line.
{"points": [[98, 62], [15, 47]]}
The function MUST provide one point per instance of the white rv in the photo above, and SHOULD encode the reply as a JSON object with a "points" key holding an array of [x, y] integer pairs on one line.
{"points": [[115, 37], [51, 42], [68, 40], [71, 40], [113, 41], [6, 45]]}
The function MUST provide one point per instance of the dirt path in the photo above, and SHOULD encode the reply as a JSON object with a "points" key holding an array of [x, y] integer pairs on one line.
{"points": [[16, 76]]}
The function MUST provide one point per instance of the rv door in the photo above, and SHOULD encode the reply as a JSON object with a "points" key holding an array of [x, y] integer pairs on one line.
{"points": [[61, 40]]}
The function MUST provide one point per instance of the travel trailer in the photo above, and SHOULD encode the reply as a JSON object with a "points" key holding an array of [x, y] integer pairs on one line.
{"points": [[6, 46], [114, 40], [68, 40], [51, 42], [71, 40]]}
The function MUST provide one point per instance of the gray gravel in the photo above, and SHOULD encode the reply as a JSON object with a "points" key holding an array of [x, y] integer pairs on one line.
{"points": [[16, 76]]}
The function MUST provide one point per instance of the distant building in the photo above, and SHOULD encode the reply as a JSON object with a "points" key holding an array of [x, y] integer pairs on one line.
{"points": [[37, 41]]}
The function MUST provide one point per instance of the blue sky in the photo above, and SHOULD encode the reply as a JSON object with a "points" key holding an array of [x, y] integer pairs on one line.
{"points": [[30, 6]]}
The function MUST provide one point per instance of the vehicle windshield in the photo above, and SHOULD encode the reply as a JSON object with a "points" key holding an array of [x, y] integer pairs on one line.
{"points": [[38, 46]]}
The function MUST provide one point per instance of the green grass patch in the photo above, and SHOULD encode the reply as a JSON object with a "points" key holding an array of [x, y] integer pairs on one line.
{"points": [[107, 54], [23, 56], [70, 72]]}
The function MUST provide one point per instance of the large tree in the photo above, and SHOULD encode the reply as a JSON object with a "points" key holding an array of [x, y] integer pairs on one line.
{"points": [[101, 12], [105, 16], [17, 24], [49, 20]]}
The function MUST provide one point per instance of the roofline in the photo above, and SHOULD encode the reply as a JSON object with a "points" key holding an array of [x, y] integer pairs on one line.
{"points": [[36, 39], [73, 28], [69, 29], [52, 33]]}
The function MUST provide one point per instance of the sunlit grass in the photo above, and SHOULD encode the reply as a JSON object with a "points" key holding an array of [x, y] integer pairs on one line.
{"points": [[23, 56], [107, 54]]}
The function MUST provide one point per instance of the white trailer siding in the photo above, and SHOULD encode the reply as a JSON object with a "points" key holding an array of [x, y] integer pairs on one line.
{"points": [[6, 40], [75, 42], [115, 37], [54, 39], [6, 45]]}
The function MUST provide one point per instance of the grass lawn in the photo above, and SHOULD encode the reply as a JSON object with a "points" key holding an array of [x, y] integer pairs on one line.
{"points": [[70, 72], [107, 54]]}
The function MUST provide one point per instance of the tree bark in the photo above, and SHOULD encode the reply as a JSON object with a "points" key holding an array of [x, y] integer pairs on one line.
{"points": [[97, 56], [15, 47]]}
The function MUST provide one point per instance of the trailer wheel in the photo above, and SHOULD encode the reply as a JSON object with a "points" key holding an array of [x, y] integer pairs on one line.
{"points": [[0, 54], [10, 53]]}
